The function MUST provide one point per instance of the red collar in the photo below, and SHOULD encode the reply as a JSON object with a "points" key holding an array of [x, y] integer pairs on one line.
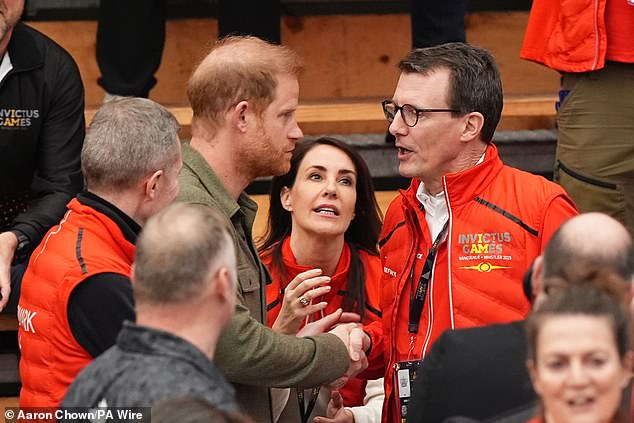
{"points": [[293, 269], [462, 187]]}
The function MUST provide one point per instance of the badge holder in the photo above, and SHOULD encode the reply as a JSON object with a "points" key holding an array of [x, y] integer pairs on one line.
{"points": [[404, 375]]}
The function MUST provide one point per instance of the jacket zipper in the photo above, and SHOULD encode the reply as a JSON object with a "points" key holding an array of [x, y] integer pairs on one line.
{"points": [[596, 35], [393, 403], [393, 342], [430, 313], [449, 234], [413, 261]]}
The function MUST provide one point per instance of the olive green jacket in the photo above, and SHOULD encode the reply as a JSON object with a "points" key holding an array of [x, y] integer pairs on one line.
{"points": [[249, 354]]}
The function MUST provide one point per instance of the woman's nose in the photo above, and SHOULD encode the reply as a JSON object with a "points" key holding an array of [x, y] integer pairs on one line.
{"points": [[578, 374], [330, 189]]}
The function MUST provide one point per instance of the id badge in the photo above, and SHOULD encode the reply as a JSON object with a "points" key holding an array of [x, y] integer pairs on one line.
{"points": [[404, 377]]}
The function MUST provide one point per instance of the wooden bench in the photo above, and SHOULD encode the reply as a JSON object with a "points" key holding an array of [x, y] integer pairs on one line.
{"points": [[365, 115], [8, 322], [345, 56]]}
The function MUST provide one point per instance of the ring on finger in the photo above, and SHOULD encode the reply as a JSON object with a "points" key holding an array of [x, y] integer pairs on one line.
{"points": [[303, 301]]}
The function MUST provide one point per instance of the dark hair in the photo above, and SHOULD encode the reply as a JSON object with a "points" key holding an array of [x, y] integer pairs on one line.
{"points": [[598, 292], [193, 410], [363, 232], [601, 296], [474, 82]]}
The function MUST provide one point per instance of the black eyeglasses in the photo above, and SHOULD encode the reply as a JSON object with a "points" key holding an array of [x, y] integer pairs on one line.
{"points": [[409, 113]]}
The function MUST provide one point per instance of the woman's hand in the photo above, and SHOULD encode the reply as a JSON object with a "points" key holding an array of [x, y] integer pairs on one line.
{"points": [[336, 413], [297, 302], [328, 322]]}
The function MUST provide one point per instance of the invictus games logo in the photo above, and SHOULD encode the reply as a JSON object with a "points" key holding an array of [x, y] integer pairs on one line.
{"points": [[18, 118], [482, 247], [484, 243], [484, 267]]}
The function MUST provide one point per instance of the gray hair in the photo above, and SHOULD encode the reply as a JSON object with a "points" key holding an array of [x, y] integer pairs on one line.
{"points": [[178, 250], [128, 139]]}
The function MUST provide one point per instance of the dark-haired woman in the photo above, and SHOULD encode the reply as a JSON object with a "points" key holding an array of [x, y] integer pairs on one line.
{"points": [[321, 249], [580, 356]]}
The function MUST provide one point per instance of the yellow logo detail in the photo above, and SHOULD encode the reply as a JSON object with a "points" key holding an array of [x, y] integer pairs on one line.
{"points": [[484, 267]]}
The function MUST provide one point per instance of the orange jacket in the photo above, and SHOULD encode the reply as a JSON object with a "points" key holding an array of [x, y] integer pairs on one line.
{"points": [[568, 36], [354, 391], [83, 244], [500, 219]]}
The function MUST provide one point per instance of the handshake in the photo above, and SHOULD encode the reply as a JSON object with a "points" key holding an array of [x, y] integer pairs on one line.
{"points": [[346, 327], [301, 300]]}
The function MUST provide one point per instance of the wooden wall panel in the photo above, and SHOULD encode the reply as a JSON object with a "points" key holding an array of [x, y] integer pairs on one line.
{"points": [[502, 33], [349, 56], [345, 55]]}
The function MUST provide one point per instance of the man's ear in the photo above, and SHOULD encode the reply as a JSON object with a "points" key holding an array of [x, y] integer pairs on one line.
{"points": [[223, 284], [286, 199], [473, 123], [238, 115], [152, 183]]}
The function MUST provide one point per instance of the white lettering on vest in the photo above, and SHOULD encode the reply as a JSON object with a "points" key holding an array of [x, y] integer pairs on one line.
{"points": [[25, 319]]}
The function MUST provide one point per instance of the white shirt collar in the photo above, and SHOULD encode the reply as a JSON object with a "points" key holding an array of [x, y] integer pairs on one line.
{"points": [[436, 213], [5, 65]]}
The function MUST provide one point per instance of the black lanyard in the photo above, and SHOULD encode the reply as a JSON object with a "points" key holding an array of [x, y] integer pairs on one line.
{"points": [[417, 301], [305, 411]]}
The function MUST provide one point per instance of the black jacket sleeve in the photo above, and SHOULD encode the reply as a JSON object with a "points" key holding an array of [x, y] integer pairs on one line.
{"points": [[58, 175], [97, 308], [430, 378]]}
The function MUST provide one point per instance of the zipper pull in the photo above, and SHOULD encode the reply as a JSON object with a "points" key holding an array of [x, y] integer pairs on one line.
{"points": [[412, 341]]}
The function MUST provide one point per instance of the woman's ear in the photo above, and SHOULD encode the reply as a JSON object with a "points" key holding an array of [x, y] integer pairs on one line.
{"points": [[628, 363], [286, 200], [532, 372]]}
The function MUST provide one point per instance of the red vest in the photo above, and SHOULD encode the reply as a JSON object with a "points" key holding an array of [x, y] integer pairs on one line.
{"points": [[354, 390], [83, 244], [568, 36], [500, 219]]}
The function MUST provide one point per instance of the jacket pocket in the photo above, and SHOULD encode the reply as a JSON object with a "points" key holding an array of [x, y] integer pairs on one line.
{"points": [[248, 278], [584, 178]]}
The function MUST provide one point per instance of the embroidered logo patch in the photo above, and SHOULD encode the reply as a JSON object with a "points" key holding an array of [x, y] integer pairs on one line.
{"points": [[482, 247], [18, 118], [389, 271], [484, 267]]}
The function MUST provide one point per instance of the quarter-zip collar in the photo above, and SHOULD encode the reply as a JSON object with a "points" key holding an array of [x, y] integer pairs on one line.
{"points": [[23, 51], [462, 187]]}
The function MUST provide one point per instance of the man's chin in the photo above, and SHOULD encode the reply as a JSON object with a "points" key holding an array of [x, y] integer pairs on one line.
{"points": [[264, 172], [405, 171], [282, 168], [279, 172]]}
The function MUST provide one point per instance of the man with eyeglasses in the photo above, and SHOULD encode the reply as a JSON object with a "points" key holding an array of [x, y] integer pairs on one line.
{"points": [[456, 244]]}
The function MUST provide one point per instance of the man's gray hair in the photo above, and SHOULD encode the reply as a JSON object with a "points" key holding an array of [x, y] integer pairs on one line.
{"points": [[128, 139], [179, 249]]}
